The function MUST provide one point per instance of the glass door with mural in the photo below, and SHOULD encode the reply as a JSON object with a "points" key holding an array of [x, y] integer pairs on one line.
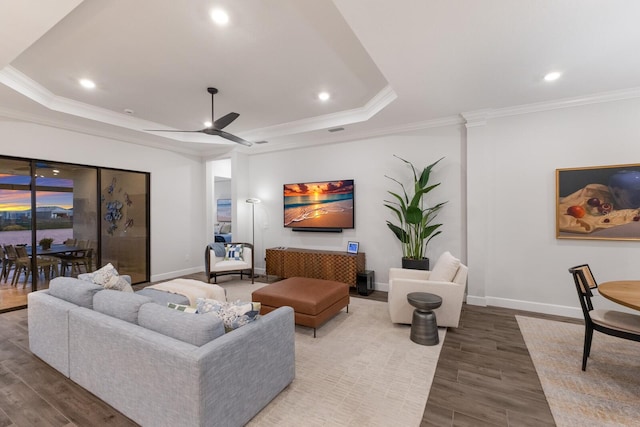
{"points": [[124, 212]]}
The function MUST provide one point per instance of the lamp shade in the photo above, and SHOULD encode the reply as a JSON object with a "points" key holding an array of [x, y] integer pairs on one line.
{"points": [[253, 200]]}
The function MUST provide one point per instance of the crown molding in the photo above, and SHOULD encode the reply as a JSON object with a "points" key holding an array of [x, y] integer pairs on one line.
{"points": [[22, 84], [87, 130], [342, 118], [480, 117]]}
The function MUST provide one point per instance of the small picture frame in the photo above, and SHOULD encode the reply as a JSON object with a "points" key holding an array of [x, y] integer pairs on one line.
{"points": [[352, 247]]}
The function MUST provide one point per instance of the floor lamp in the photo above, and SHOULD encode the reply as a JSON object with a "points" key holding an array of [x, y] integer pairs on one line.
{"points": [[253, 201]]}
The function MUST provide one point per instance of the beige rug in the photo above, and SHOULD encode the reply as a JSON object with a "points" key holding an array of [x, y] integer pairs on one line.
{"points": [[606, 394], [361, 370]]}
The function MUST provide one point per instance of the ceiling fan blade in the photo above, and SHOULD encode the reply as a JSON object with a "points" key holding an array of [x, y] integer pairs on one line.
{"points": [[171, 130], [234, 138], [224, 121]]}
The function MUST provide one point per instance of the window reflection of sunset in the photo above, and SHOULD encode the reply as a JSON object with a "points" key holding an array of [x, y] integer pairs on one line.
{"points": [[11, 200]]}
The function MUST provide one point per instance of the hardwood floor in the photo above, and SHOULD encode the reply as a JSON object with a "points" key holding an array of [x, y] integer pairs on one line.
{"points": [[484, 377]]}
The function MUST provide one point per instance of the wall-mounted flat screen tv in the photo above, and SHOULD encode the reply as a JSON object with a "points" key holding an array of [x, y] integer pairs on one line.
{"points": [[223, 209], [319, 206]]}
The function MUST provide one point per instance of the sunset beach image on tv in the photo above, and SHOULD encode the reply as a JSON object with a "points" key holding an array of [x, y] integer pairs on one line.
{"points": [[326, 204]]}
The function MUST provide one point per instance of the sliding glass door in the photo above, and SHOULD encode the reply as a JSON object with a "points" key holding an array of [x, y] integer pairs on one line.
{"points": [[103, 209]]}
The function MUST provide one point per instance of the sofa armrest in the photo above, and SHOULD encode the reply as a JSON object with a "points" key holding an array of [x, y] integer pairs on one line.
{"points": [[407, 273], [256, 361]]}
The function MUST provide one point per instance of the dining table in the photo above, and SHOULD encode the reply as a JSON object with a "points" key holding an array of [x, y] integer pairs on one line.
{"points": [[624, 292], [66, 253], [55, 249]]}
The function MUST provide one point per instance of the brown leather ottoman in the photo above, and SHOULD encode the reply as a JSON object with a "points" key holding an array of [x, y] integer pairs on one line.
{"points": [[314, 301]]}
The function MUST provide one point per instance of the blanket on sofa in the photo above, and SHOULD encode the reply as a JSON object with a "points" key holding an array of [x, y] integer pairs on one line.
{"points": [[192, 289]]}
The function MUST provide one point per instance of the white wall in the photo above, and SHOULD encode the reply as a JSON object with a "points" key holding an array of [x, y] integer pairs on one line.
{"points": [[514, 258], [367, 162], [177, 186]]}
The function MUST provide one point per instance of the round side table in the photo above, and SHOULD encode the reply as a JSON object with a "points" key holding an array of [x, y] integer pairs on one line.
{"points": [[424, 328]]}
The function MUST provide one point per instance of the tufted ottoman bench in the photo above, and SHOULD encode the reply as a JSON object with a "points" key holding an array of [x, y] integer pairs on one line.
{"points": [[314, 301]]}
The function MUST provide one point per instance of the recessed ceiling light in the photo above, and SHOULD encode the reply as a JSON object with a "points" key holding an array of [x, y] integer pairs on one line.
{"points": [[324, 96], [555, 75], [219, 16], [87, 84], [208, 124]]}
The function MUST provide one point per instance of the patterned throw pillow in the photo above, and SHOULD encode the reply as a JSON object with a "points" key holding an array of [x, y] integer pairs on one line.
{"points": [[118, 283], [232, 314], [102, 276], [108, 278], [233, 252], [182, 307]]}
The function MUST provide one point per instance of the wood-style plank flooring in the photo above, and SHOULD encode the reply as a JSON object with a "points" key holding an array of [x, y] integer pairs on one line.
{"points": [[484, 377]]}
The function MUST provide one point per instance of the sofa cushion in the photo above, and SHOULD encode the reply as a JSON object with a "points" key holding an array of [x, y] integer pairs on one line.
{"points": [[163, 297], [190, 328], [232, 314], [445, 269], [74, 291], [122, 305]]}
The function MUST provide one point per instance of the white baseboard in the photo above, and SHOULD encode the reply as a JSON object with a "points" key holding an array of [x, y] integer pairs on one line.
{"points": [[536, 307], [177, 273]]}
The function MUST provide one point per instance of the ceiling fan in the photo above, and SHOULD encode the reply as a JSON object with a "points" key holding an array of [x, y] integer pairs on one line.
{"points": [[217, 126]]}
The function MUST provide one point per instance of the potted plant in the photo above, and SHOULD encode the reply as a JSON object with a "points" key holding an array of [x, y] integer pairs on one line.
{"points": [[45, 243], [415, 229]]}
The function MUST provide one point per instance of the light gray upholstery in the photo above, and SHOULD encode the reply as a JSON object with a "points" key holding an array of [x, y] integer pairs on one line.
{"points": [[50, 317], [74, 291], [188, 327], [157, 380], [118, 304], [162, 297]]}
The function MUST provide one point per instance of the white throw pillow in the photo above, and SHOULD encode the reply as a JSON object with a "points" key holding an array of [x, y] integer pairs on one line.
{"points": [[108, 278], [118, 283], [445, 269]]}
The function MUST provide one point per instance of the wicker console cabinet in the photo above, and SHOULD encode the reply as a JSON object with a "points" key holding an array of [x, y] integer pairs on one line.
{"points": [[317, 264]]}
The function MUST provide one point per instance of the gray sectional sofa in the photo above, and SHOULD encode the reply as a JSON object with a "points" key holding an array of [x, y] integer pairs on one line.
{"points": [[161, 367]]}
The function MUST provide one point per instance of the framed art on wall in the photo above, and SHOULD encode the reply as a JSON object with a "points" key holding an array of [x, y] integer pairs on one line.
{"points": [[599, 202]]}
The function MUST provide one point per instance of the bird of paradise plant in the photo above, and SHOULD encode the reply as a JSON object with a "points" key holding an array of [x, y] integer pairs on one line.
{"points": [[415, 229]]}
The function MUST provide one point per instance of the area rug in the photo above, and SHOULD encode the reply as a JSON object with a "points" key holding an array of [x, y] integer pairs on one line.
{"points": [[606, 394], [361, 370]]}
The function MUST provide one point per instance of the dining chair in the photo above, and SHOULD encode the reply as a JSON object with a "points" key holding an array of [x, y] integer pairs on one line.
{"points": [[4, 261], [46, 265], [611, 322], [10, 258], [77, 259]]}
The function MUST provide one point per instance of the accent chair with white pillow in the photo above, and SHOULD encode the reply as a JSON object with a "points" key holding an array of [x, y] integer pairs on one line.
{"points": [[228, 258], [448, 279]]}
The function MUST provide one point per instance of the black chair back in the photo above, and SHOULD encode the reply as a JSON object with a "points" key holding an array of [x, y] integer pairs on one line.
{"points": [[584, 281]]}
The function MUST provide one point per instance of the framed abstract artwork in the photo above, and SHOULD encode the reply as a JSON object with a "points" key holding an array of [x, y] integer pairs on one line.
{"points": [[599, 202]]}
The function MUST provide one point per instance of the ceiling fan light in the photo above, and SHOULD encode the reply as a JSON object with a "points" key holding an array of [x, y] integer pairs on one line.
{"points": [[208, 124], [219, 16]]}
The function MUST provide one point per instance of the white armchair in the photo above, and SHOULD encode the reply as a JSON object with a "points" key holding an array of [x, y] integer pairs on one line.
{"points": [[223, 264], [404, 281]]}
